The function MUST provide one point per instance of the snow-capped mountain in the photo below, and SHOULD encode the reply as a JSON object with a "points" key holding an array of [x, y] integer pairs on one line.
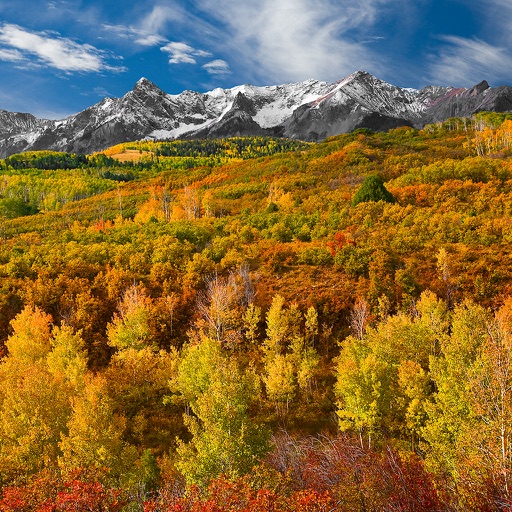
{"points": [[310, 110]]}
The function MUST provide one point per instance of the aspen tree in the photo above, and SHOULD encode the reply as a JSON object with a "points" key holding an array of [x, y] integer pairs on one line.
{"points": [[41, 373], [219, 393]]}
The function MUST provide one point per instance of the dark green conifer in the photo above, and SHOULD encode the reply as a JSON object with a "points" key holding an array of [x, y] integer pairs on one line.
{"points": [[372, 189]]}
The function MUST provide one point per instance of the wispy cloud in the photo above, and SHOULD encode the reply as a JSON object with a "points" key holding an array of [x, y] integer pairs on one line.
{"points": [[217, 67], [182, 53], [153, 29], [11, 55], [296, 39], [158, 18], [134, 34], [149, 29], [98, 92], [50, 49], [483, 55], [466, 61]]}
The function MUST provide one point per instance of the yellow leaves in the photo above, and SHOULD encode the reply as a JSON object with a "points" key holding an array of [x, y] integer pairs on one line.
{"points": [[489, 140], [44, 369], [219, 393], [383, 380], [94, 439], [114, 150], [277, 326], [280, 379], [414, 382], [30, 340], [68, 357], [288, 352], [130, 327], [362, 389]]}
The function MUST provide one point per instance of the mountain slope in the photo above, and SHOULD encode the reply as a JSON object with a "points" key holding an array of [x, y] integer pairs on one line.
{"points": [[310, 110]]}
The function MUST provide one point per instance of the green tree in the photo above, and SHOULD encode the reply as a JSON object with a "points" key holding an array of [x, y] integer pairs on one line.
{"points": [[372, 189], [224, 439], [130, 326], [196, 370], [362, 389], [11, 207], [468, 433], [383, 380], [451, 416]]}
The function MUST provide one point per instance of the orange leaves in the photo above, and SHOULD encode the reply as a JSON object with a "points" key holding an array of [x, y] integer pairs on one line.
{"points": [[490, 140], [240, 495], [47, 494], [340, 240], [419, 195]]}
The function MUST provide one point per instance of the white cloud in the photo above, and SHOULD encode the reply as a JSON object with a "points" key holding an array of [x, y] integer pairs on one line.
{"points": [[134, 34], [466, 61], [147, 39], [217, 67], [182, 53], [298, 39], [158, 18], [52, 50], [98, 91], [10, 55], [149, 29]]}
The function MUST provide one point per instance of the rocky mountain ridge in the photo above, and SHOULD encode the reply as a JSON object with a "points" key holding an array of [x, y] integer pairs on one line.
{"points": [[310, 110]]}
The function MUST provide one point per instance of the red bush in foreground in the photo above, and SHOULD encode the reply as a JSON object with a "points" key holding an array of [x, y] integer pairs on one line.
{"points": [[356, 478], [47, 494], [310, 475], [239, 496], [304, 475]]}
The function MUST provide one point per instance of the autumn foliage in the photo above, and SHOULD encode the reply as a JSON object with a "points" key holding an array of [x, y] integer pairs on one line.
{"points": [[236, 325]]}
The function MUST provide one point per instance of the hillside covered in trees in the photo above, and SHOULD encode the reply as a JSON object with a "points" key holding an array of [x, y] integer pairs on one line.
{"points": [[256, 324]]}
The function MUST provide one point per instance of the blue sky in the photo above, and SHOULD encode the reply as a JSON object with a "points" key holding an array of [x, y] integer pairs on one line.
{"points": [[59, 56]]}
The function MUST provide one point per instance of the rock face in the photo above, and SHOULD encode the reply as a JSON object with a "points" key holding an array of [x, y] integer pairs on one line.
{"points": [[310, 110]]}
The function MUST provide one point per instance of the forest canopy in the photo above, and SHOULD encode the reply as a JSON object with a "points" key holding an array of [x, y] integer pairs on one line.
{"points": [[260, 324]]}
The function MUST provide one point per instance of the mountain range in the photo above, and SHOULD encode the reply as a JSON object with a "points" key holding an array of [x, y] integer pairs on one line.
{"points": [[311, 110]]}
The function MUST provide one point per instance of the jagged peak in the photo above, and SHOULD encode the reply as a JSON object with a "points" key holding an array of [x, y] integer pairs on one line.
{"points": [[361, 74], [144, 84], [241, 102], [310, 109], [479, 88], [143, 81], [357, 76]]}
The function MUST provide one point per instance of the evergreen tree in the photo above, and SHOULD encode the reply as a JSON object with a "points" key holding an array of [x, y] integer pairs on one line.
{"points": [[372, 189]]}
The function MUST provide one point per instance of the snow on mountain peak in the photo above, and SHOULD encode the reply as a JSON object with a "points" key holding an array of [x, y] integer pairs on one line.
{"points": [[143, 84], [308, 110]]}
